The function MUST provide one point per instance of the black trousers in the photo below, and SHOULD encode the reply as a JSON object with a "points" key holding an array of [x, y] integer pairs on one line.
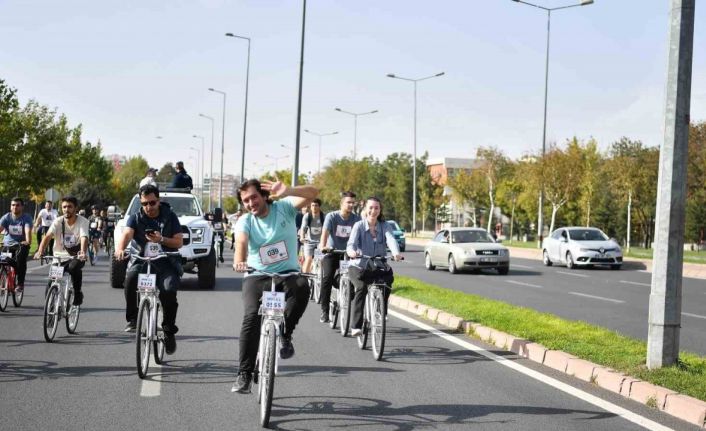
{"points": [[41, 231], [75, 268], [297, 298], [168, 281], [329, 266], [19, 254], [357, 277]]}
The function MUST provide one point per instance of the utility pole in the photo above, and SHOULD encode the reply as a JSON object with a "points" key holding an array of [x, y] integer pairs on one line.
{"points": [[666, 294], [295, 169]]}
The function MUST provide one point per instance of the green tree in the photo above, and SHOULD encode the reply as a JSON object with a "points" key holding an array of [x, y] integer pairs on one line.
{"points": [[10, 131], [126, 181], [493, 165], [166, 173]]}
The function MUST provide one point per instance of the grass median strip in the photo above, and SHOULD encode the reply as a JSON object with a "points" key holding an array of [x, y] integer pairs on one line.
{"points": [[593, 343]]}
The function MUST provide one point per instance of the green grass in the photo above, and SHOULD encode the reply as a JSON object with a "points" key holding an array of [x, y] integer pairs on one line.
{"points": [[593, 343], [520, 244], [646, 253]]}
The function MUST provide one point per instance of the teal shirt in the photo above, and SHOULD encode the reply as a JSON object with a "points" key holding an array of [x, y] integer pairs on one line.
{"points": [[272, 240]]}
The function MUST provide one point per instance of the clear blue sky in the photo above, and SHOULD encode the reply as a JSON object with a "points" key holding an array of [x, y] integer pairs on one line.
{"points": [[131, 70]]}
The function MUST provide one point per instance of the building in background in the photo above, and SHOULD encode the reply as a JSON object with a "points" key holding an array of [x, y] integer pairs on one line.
{"points": [[230, 186], [441, 170]]}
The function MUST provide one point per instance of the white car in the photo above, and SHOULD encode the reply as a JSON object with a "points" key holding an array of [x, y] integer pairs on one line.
{"points": [[461, 248], [581, 246]]}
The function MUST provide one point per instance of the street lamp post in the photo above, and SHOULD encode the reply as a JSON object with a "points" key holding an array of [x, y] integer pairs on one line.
{"points": [[223, 142], [320, 135], [540, 215], [202, 157], [198, 159], [276, 159], [210, 178], [245, 117], [355, 126], [414, 148], [292, 150]]}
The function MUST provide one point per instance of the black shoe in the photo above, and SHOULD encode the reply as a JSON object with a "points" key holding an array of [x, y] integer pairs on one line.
{"points": [[78, 298], [221, 259], [169, 343], [131, 326], [324, 317], [242, 383], [287, 349]]}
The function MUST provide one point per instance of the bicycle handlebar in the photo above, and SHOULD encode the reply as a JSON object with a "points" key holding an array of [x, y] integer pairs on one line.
{"points": [[251, 270], [57, 258], [153, 258]]}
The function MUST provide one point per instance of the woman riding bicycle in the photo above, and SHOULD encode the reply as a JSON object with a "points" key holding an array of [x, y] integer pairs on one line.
{"points": [[371, 236]]}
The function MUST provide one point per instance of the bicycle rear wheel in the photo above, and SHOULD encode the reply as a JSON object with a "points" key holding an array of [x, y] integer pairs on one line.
{"points": [[72, 313], [142, 339], [317, 290], [267, 377], [332, 311], [51, 313], [4, 288], [377, 324], [363, 337], [17, 296], [345, 313], [158, 343]]}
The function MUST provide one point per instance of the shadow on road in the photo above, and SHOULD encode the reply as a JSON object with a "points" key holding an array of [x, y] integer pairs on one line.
{"points": [[22, 370]]}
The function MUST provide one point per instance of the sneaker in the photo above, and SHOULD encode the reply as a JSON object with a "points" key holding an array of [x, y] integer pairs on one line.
{"points": [[287, 349], [78, 298], [169, 343], [131, 326], [19, 288], [221, 259], [324, 317], [242, 383], [355, 332]]}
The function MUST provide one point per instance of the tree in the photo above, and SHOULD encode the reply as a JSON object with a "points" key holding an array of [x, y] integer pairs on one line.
{"points": [[561, 172], [509, 190], [166, 173], [127, 180], [10, 131], [88, 174], [590, 177], [431, 193], [493, 164], [469, 189]]}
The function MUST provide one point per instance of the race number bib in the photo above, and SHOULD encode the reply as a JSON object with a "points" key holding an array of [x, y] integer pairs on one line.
{"points": [[70, 240], [94, 225], [273, 301], [343, 231], [152, 249], [318, 254], [218, 226], [15, 229], [5, 255], [315, 230], [56, 272], [273, 253], [343, 268], [147, 281]]}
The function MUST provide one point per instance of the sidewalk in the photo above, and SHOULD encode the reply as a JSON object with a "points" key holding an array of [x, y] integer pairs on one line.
{"points": [[691, 270]]}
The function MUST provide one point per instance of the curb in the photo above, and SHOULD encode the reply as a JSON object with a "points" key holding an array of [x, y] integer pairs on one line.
{"points": [[683, 407]]}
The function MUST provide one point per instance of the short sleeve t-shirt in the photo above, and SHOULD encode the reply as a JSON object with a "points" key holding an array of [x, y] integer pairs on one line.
{"points": [[94, 222], [339, 229], [272, 240], [68, 235], [312, 226], [48, 216], [167, 223], [14, 228]]}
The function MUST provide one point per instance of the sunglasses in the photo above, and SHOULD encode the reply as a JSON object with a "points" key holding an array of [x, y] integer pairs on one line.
{"points": [[150, 203]]}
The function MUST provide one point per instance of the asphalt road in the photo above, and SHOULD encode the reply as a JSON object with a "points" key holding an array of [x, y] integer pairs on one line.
{"points": [[89, 381], [617, 300]]}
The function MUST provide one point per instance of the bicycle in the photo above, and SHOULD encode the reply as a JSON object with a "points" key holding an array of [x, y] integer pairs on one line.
{"points": [[317, 270], [218, 234], [271, 330], [8, 281], [59, 299], [341, 297], [149, 333]]}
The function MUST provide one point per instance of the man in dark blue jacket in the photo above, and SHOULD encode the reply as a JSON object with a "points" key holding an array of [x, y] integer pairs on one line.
{"points": [[181, 180]]}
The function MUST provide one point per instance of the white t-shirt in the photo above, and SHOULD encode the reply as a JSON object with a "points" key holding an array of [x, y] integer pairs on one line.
{"points": [[71, 235], [48, 216], [148, 180]]}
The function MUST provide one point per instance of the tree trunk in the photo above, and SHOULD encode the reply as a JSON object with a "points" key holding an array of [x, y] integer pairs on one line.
{"points": [[555, 208], [629, 220], [512, 219], [490, 216], [588, 215]]}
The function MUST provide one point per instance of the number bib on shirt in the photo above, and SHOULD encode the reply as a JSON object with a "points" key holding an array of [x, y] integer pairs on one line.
{"points": [[343, 267], [147, 282], [94, 225], [273, 301], [15, 229], [343, 231], [56, 272], [152, 249], [315, 231], [5, 255], [273, 253], [70, 240], [218, 226]]}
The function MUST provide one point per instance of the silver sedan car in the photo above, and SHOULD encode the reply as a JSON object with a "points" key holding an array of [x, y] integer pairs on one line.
{"points": [[466, 248], [581, 246]]}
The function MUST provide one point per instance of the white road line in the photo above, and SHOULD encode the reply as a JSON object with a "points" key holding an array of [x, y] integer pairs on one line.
{"points": [[642, 270], [636, 283], [514, 265], [152, 387], [694, 315], [524, 284], [617, 301], [514, 365], [572, 274]]}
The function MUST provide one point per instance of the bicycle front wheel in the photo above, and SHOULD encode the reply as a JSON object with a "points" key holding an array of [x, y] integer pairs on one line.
{"points": [[317, 290], [345, 313], [267, 376], [4, 289], [72, 314], [363, 337], [142, 339], [51, 313], [17, 296], [377, 324], [158, 343]]}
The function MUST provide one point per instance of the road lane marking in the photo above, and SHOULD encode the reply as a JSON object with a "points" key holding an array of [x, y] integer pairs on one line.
{"points": [[572, 274], [521, 283], [694, 315], [617, 301], [152, 387], [514, 265], [642, 270], [636, 283], [536, 375]]}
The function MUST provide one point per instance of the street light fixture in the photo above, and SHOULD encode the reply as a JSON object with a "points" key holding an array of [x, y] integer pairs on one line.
{"points": [[210, 178], [245, 119], [414, 148], [355, 126], [223, 141], [540, 216], [320, 135], [276, 159]]}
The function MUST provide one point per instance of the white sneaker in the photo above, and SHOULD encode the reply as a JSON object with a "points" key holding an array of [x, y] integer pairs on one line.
{"points": [[355, 332]]}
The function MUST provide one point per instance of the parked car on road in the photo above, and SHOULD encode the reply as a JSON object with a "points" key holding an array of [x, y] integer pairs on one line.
{"points": [[462, 248], [581, 246], [398, 233]]}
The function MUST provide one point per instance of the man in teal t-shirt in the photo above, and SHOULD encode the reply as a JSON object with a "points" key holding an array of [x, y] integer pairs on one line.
{"points": [[266, 240]]}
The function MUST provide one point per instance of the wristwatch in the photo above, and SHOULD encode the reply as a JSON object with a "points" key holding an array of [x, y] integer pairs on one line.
{"points": [[161, 239]]}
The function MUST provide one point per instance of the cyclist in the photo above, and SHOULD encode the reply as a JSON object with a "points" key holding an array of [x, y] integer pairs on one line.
{"points": [[44, 219], [266, 239], [17, 227], [95, 223], [72, 230], [154, 223], [108, 227], [371, 236], [310, 234], [219, 233], [334, 235], [232, 220]]}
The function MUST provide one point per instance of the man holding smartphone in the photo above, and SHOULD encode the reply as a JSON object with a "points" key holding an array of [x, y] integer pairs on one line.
{"points": [[154, 228]]}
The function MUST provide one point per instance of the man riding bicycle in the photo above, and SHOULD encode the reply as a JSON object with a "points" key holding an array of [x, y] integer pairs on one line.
{"points": [[371, 236], [266, 239], [154, 228], [334, 235], [310, 233], [95, 224], [219, 230], [44, 219], [17, 227], [72, 230], [108, 227]]}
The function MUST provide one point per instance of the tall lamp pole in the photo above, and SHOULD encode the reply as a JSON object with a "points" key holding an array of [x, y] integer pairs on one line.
{"points": [[200, 170], [320, 135], [414, 148], [223, 142], [210, 178], [245, 117], [355, 127], [540, 215], [276, 159], [295, 171]]}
